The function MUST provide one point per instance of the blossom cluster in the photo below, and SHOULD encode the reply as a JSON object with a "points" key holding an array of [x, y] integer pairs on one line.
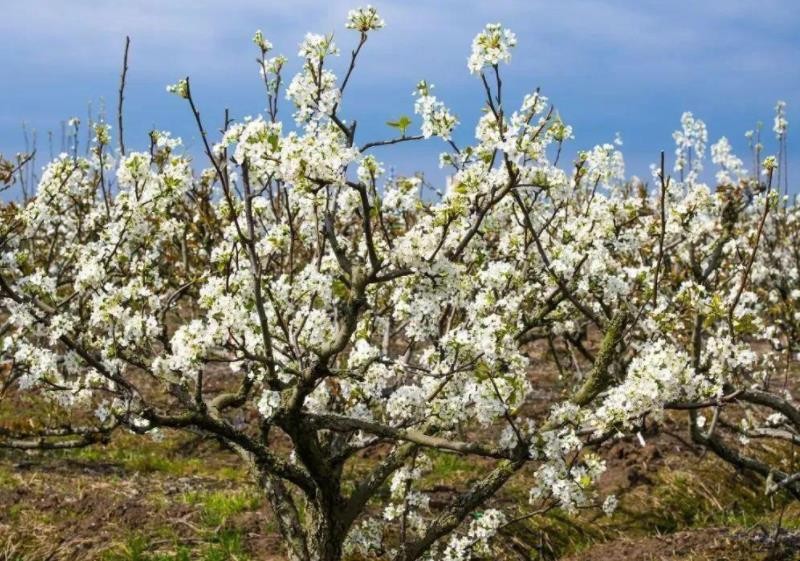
{"points": [[437, 120], [491, 47]]}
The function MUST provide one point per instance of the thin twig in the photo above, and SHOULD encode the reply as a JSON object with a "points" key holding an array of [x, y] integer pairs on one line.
{"points": [[122, 95], [746, 272], [663, 232]]}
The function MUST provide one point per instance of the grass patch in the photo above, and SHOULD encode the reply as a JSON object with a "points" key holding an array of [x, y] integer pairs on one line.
{"points": [[706, 494], [144, 455], [7, 478], [450, 468], [218, 506], [227, 545], [698, 495]]}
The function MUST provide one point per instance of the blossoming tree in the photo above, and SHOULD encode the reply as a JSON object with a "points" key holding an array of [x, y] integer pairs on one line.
{"points": [[297, 304]]}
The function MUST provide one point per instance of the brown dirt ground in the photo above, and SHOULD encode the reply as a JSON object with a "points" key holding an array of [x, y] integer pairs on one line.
{"points": [[710, 544]]}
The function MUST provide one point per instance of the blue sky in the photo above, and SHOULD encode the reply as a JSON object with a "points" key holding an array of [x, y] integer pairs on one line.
{"points": [[609, 66]]}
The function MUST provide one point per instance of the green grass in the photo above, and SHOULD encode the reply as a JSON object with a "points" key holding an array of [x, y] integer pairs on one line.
{"points": [[7, 478], [228, 546], [450, 467], [13, 512], [225, 546], [218, 506], [142, 455]]}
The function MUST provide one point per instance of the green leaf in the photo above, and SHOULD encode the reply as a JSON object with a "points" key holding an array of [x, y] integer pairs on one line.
{"points": [[400, 124]]}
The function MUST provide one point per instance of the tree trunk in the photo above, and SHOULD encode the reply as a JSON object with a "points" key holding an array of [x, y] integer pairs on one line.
{"points": [[319, 537], [285, 512], [324, 539]]}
